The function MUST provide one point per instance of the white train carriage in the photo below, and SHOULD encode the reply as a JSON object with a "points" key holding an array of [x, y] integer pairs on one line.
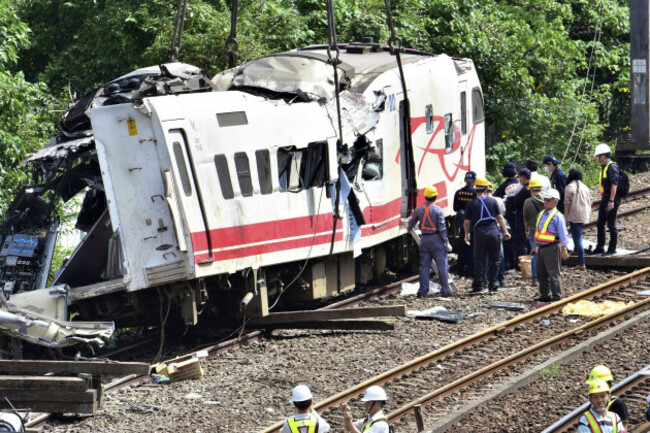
{"points": [[205, 187]]}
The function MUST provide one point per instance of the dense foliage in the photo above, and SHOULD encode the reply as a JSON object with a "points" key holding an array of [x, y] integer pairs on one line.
{"points": [[536, 58]]}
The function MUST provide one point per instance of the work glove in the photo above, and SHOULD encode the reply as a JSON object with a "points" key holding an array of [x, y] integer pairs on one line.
{"points": [[448, 246]]}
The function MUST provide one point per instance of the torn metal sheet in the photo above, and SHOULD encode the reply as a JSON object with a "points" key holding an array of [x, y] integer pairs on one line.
{"points": [[24, 319], [512, 306], [291, 73], [61, 151]]}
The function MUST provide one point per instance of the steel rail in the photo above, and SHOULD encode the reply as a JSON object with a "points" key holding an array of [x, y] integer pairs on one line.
{"points": [[624, 214], [518, 357], [631, 196], [626, 385], [470, 341]]}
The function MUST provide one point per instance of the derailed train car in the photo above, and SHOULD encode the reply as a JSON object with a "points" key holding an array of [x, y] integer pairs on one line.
{"points": [[235, 188]]}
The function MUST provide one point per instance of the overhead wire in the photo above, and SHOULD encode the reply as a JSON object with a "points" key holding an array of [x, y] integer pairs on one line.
{"points": [[594, 46]]}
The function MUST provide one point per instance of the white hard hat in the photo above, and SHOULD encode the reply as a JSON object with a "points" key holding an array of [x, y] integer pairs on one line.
{"points": [[602, 149], [375, 393], [301, 393], [552, 193]]}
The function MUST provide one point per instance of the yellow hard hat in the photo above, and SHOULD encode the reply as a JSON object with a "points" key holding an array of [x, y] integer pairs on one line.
{"points": [[430, 191], [481, 183], [490, 186], [534, 183], [600, 372], [598, 385]]}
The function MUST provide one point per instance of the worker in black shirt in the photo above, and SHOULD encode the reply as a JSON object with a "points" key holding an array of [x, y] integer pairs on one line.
{"points": [[519, 233], [482, 215], [610, 200], [506, 191], [463, 196], [558, 178]]}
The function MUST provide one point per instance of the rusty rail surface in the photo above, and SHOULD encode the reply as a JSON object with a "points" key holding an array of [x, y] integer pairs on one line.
{"points": [[631, 196], [466, 343]]}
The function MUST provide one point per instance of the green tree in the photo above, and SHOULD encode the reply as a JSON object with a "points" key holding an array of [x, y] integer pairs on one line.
{"points": [[25, 121]]}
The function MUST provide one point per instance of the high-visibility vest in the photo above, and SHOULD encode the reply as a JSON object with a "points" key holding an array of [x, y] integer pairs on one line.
{"points": [[603, 175], [366, 425], [309, 425], [431, 226], [544, 235], [595, 427]]}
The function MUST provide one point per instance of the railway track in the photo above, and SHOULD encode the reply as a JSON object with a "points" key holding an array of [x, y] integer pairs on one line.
{"points": [[632, 195], [633, 390], [440, 374]]}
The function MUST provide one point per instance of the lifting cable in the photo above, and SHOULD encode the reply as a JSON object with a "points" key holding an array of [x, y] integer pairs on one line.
{"points": [[232, 44], [335, 61], [178, 29], [395, 47], [594, 46]]}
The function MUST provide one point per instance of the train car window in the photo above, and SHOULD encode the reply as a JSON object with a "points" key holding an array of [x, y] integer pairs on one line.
{"points": [[182, 168], [372, 168], [233, 118], [477, 106], [244, 174], [313, 172], [463, 112], [449, 133], [289, 163], [264, 170], [428, 113], [223, 172]]}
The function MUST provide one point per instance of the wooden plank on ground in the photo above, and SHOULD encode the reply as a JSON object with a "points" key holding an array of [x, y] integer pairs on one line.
{"points": [[45, 395], [73, 367], [52, 406], [51, 401], [352, 325], [37, 383], [613, 261], [335, 314]]}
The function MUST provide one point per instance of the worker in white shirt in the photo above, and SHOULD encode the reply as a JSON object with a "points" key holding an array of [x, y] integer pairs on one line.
{"points": [[305, 419], [374, 400]]}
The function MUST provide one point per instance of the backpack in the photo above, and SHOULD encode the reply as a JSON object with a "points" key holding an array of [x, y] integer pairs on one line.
{"points": [[623, 188]]}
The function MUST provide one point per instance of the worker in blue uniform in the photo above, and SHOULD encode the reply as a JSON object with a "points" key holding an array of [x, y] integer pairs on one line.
{"points": [[551, 238], [482, 215], [465, 266], [558, 178], [434, 243]]}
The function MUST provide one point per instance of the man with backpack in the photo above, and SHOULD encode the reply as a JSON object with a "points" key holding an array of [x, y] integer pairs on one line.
{"points": [[482, 215], [608, 184]]}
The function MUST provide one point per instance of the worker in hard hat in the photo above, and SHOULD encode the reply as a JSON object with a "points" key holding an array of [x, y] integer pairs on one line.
{"points": [[501, 273], [533, 205], [305, 419], [551, 239], [465, 264], [616, 405], [609, 200], [434, 243], [482, 218], [598, 419], [374, 400]]}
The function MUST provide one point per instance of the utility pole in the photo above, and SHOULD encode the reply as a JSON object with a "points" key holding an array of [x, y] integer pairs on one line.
{"points": [[628, 151]]}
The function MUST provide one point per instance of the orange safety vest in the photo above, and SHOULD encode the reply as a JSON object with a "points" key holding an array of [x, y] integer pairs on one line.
{"points": [[603, 175], [595, 427], [544, 235], [431, 228], [309, 425]]}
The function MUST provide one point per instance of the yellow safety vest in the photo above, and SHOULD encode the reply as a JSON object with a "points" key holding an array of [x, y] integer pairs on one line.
{"points": [[366, 426], [544, 235], [603, 175], [309, 425], [595, 427]]}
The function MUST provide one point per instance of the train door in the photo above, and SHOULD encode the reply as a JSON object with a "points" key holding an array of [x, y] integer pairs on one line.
{"points": [[463, 121], [407, 161], [182, 189]]}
